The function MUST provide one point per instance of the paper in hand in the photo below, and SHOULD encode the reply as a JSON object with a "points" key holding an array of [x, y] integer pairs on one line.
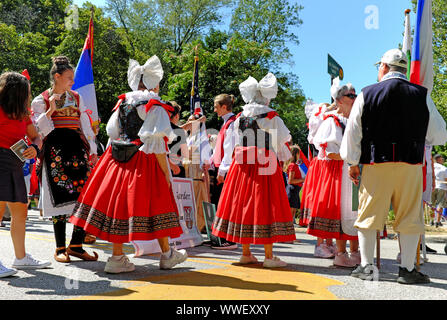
{"points": [[18, 148]]}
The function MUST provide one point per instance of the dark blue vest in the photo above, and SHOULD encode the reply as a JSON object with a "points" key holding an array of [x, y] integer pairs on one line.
{"points": [[394, 122]]}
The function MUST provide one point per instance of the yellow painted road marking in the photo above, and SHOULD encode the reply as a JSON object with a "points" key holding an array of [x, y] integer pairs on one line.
{"points": [[231, 282]]}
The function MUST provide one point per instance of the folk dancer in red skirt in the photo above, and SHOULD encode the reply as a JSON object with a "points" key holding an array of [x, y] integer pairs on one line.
{"points": [[61, 117], [331, 214], [252, 209], [129, 196], [324, 248]]}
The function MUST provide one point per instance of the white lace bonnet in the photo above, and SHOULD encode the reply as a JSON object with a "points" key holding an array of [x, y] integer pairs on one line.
{"points": [[152, 72], [268, 88]]}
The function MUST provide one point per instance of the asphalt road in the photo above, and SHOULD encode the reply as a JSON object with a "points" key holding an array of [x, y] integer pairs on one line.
{"points": [[212, 274]]}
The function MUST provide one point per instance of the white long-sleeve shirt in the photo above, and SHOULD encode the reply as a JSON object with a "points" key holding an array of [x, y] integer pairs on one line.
{"points": [[228, 146], [156, 124], [45, 125], [350, 149]]}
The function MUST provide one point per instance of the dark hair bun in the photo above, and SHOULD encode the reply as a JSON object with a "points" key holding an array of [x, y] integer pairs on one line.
{"points": [[61, 60]]}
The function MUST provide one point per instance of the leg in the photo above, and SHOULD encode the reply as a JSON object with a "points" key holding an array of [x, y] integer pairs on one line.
{"points": [[118, 249], [59, 227], [367, 242], [246, 250], [2, 209], [75, 248], [268, 249], [164, 244], [19, 212], [341, 246], [353, 246]]}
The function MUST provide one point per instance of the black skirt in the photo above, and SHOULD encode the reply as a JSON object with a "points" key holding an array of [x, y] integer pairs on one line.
{"points": [[293, 193], [12, 181]]}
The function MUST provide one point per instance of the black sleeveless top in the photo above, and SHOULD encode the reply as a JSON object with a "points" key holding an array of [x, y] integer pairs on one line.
{"points": [[252, 135], [129, 121]]}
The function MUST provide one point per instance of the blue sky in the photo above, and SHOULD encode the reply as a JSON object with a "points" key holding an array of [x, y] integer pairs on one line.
{"points": [[337, 27]]}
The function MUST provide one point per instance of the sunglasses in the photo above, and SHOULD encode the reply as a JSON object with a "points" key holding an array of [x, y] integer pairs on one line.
{"points": [[350, 95]]}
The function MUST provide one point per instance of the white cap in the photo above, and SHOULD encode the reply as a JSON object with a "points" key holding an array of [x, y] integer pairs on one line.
{"points": [[394, 57]]}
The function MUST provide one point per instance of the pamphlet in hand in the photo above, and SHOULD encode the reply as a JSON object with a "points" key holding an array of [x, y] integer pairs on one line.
{"points": [[18, 148]]}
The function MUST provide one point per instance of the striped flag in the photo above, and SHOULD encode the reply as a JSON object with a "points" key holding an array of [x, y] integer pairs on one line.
{"points": [[83, 79], [406, 44], [422, 53], [195, 105], [199, 138]]}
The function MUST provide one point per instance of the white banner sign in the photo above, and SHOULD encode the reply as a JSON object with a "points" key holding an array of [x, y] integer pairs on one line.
{"points": [[191, 237]]}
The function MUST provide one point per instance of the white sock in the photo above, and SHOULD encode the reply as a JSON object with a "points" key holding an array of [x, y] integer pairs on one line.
{"points": [[117, 258], [409, 245], [167, 254], [367, 244]]}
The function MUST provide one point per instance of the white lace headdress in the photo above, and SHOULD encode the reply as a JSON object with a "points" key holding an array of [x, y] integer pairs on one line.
{"points": [[152, 72], [267, 87]]}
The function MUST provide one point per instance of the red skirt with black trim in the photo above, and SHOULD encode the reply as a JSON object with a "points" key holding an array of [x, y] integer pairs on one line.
{"points": [[123, 202], [253, 207], [321, 204]]}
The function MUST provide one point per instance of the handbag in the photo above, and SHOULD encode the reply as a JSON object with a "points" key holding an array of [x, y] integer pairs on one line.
{"points": [[123, 151]]}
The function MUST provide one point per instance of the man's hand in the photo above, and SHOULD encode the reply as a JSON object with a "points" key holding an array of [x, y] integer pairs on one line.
{"points": [[354, 174]]}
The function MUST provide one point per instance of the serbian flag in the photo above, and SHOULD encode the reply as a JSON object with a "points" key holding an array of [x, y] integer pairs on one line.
{"points": [[422, 53], [83, 79], [304, 166]]}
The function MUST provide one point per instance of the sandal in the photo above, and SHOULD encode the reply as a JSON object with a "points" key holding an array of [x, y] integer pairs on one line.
{"points": [[84, 256], [62, 256], [89, 239]]}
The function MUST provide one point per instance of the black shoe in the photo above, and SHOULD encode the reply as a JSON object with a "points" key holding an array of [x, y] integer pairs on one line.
{"points": [[2, 225], [364, 273], [225, 245], [413, 277], [429, 250], [432, 223], [438, 224]]}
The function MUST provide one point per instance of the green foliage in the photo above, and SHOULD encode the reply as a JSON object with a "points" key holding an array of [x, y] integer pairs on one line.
{"points": [[33, 31]]}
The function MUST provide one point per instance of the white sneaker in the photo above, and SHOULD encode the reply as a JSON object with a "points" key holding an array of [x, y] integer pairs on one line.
{"points": [[28, 262], [177, 256], [248, 259], [119, 266], [6, 272], [275, 262], [323, 251]]}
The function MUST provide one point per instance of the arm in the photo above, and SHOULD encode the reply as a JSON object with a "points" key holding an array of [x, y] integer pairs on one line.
{"points": [[228, 145], [350, 149], [32, 134], [291, 178], [162, 161], [42, 117]]}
